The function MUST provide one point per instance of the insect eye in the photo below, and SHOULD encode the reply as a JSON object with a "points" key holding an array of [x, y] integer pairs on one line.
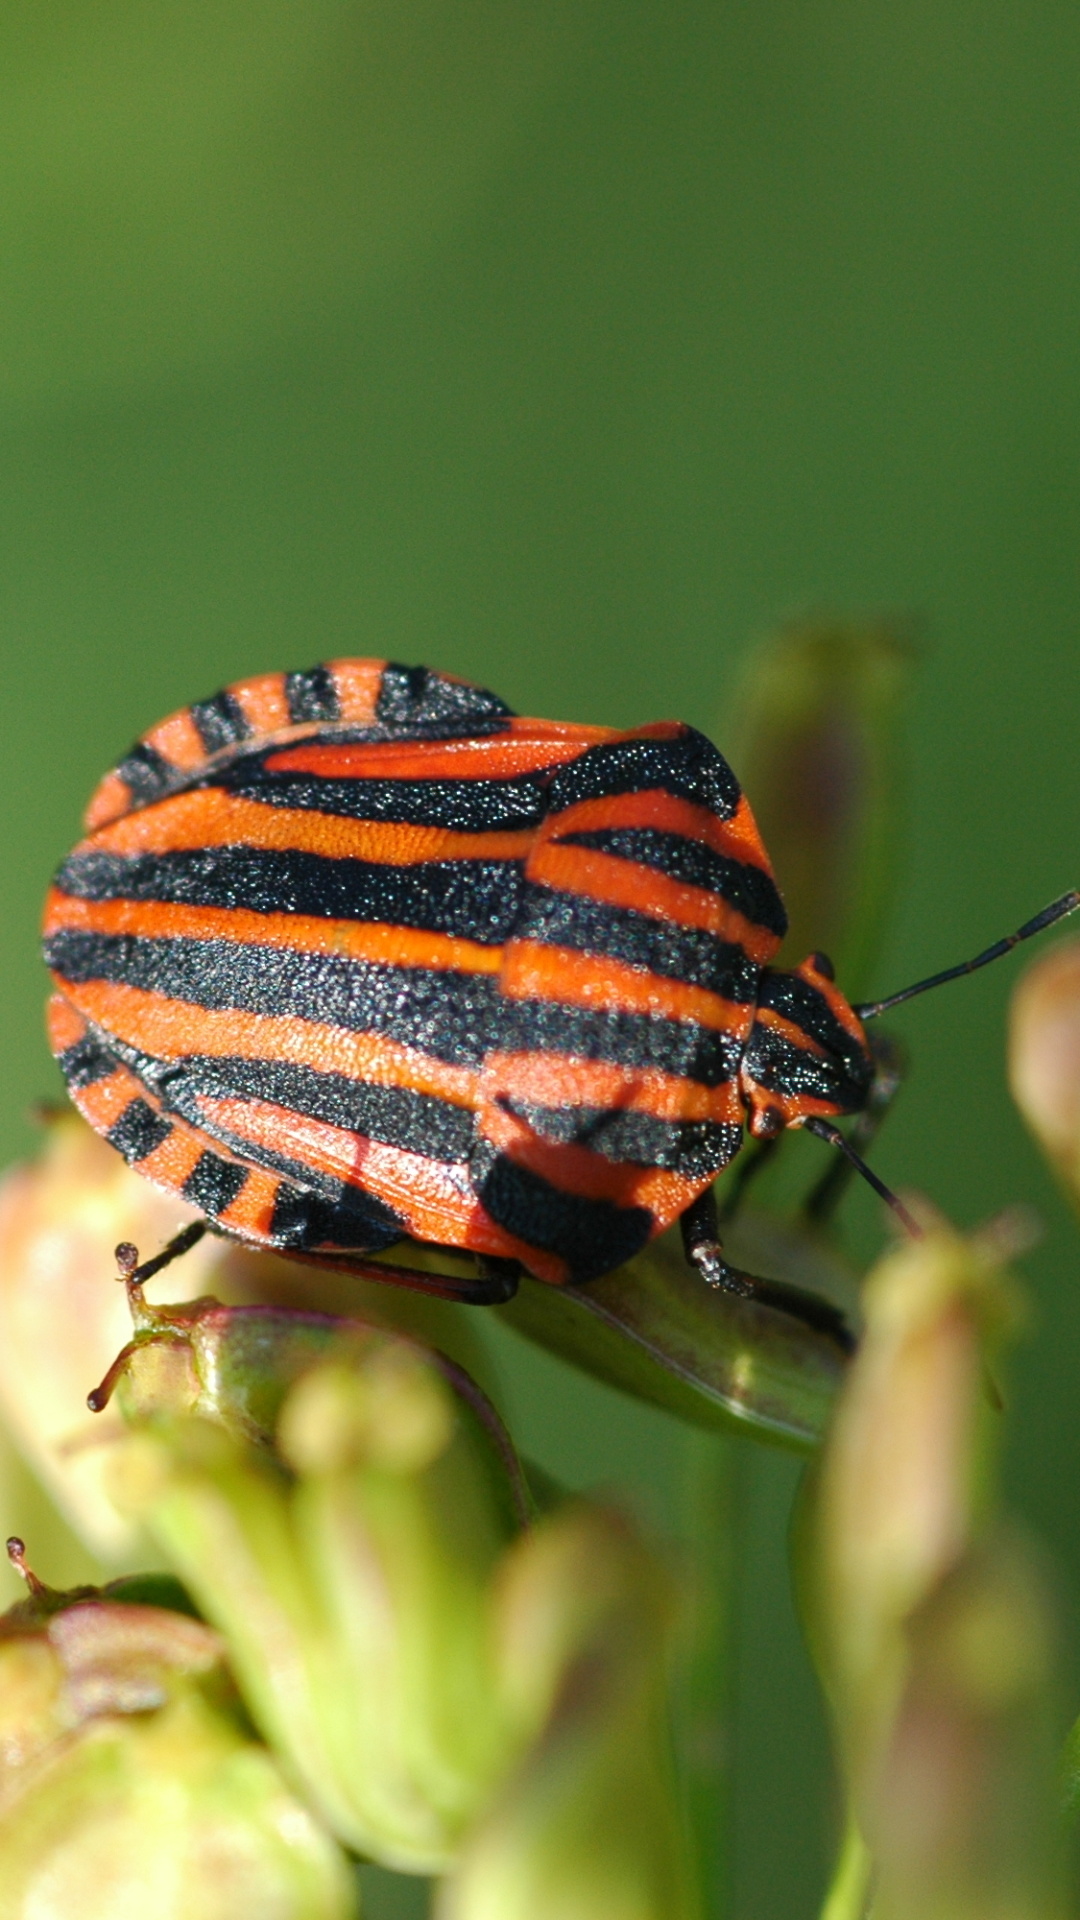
{"points": [[823, 965], [769, 1123]]}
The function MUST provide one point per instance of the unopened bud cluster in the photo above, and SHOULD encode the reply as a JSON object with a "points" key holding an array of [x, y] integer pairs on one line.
{"points": [[393, 1659], [927, 1612]]}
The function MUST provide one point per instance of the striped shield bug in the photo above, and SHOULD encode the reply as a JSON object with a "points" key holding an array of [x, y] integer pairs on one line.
{"points": [[357, 955]]}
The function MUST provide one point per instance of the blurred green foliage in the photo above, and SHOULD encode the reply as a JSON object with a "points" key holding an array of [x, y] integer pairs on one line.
{"points": [[571, 352]]}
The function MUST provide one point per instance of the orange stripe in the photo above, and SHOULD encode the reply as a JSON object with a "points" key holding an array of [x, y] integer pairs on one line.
{"points": [[577, 1170], [63, 1024], [103, 1101], [178, 740], [838, 1005], [359, 940], [560, 1080], [623, 883], [169, 1029], [573, 732], [778, 1023], [210, 817], [794, 1107], [171, 1163], [746, 841], [436, 1201], [357, 684], [325, 1149], [668, 814], [656, 730], [433, 1197], [252, 1212], [263, 703], [110, 798], [500, 756], [531, 971]]}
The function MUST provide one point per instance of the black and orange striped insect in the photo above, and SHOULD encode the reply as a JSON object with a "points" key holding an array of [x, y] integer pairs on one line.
{"points": [[356, 955]]}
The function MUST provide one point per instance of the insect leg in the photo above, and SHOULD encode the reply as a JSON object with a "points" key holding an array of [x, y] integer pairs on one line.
{"points": [[703, 1250], [495, 1284], [135, 1274], [825, 1195]]}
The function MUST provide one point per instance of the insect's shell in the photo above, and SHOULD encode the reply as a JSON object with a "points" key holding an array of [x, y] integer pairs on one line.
{"points": [[355, 953]]}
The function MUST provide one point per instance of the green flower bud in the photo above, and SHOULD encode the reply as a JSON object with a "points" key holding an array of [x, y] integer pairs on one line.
{"points": [[62, 1319], [1044, 1057], [352, 1584], [235, 1365], [586, 1822], [902, 1488], [961, 1812], [815, 747], [128, 1783]]}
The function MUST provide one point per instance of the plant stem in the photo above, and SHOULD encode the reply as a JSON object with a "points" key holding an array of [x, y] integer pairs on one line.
{"points": [[848, 1897], [703, 1704]]}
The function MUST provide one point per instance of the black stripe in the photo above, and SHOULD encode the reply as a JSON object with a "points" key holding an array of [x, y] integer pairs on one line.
{"points": [[220, 722], [687, 954], [312, 696], [413, 701], [456, 1017], [807, 1008], [468, 806], [697, 1149], [213, 1183], [592, 1236], [397, 1116], [780, 1066], [86, 1062], [688, 766], [472, 899], [748, 889], [138, 1130], [147, 773], [448, 1014], [351, 1219], [643, 1040]]}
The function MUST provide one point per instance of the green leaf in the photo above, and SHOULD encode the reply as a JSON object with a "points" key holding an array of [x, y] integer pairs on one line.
{"points": [[658, 1332]]}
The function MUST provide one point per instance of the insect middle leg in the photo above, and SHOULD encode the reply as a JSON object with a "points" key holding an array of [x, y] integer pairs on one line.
{"points": [[701, 1242]]}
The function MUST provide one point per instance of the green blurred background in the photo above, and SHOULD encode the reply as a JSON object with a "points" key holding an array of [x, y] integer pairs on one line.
{"points": [[569, 348]]}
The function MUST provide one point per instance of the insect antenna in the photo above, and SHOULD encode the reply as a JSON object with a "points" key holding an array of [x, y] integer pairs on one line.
{"points": [[826, 1131], [1057, 910]]}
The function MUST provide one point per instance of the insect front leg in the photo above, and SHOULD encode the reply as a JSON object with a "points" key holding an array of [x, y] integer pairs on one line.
{"points": [[701, 1242], [889, 1067]]}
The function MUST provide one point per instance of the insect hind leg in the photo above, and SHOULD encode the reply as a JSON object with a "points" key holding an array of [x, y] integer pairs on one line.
{"points": [[493, 1285]]}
